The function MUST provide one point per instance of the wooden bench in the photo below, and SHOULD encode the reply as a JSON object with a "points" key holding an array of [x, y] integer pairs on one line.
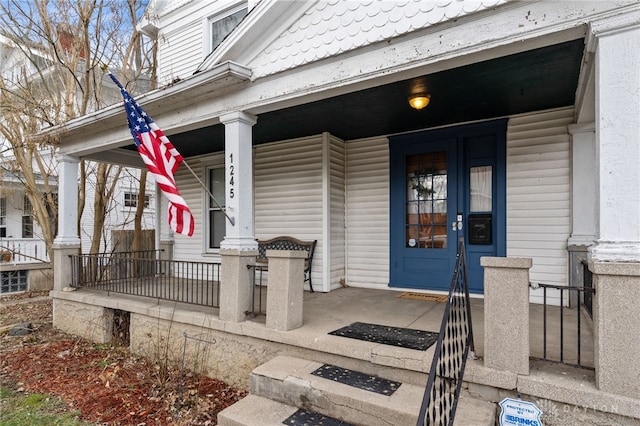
{"points": [[288, 243]]}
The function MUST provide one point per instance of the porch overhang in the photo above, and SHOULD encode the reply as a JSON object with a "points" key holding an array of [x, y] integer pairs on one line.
{"points": [[107, 127]]}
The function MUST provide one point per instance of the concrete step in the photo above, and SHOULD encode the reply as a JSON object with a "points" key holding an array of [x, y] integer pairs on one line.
{"points": [[288, 381], [255, 410]]}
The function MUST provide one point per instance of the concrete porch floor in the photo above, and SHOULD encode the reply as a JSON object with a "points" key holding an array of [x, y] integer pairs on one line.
{"points": [[325, 312]]}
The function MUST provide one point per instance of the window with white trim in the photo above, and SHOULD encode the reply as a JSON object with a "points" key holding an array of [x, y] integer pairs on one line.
{"points": [[220, 26], [3, 217], [131, 200], [27, 218], [216, 224]]}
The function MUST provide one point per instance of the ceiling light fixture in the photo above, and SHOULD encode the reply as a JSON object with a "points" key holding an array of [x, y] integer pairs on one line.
{"points": [[419, 100]]}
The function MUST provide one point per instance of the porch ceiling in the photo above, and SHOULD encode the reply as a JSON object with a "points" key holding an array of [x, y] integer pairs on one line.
{"points": [[529, 81]]}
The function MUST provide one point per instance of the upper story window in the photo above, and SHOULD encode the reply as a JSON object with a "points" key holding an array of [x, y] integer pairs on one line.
{"points": [[27, 218], [3, 217], [222, 25], [131, 200]]}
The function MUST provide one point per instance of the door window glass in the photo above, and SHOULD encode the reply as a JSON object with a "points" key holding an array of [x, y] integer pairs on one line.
{"points": [[426, 202], [480, 188]]}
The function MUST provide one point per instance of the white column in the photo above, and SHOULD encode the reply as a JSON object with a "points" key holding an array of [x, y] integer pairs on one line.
{"points": [[583, 181], [67, 242], [239, 181], [67, 200], [618, 138]]}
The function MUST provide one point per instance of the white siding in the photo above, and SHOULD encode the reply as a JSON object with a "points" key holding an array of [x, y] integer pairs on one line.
{"points": [[289, 194], [367, 199], [538, 192], [180, 51], [335, 197], [192, 248]]}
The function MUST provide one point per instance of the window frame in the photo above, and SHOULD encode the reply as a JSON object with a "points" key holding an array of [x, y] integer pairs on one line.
{"points": [[27, 218], [14, 281], [225, 13], [3, 217], [132, 201], [210, 207]]}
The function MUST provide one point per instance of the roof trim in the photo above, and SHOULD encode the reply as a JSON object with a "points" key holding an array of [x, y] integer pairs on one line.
{"points": [[256, 31], [201, 84]]}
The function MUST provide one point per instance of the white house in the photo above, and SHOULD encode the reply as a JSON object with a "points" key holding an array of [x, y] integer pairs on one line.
{"points": [[300, 122]]}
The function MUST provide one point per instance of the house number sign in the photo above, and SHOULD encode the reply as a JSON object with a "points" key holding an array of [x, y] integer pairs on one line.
{"points": [[231, 176]]}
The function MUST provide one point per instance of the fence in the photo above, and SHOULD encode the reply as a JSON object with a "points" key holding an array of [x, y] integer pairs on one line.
{"points": [[142, 273], [23, 250], [454, 343], [570, 322]]}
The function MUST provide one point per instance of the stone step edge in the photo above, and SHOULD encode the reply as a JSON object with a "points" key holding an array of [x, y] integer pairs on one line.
{"points": [[289, 380], [253, 410]]}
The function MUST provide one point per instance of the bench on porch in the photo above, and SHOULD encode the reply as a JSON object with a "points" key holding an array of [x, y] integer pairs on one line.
{"points": [[288, 243]]}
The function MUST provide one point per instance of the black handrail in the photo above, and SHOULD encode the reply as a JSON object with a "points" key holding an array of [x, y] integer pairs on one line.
{"points": [[452, 349]]}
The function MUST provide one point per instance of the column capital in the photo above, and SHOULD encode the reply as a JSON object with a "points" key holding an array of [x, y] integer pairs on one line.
{"points": [[615, 251], [66, 158], [577, 128], [239, 116], [622, 21]]}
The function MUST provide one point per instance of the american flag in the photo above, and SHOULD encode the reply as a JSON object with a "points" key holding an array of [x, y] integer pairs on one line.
{"points": [[161, 158]]}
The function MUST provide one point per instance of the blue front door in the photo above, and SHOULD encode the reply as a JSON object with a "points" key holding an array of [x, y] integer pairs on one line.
{"points": [[446, 184]]}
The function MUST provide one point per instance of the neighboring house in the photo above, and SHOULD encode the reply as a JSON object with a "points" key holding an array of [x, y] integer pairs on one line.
{"points": [[24, 261], [24, 253], [299, 122]]}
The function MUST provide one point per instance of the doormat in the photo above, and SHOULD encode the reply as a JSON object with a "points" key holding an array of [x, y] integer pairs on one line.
{"points": [[357, 379], [307, 418], [440, 298], [394, 336]]}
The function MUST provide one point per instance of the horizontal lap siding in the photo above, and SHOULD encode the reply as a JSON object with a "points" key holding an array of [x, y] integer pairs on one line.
{"points": [[288, 193], [180, 52], [539, 192], [191, 248], [368, 213], [337, 211]]}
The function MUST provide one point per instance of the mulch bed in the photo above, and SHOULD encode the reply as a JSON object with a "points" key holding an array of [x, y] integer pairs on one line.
{"points": [[107, 384]]}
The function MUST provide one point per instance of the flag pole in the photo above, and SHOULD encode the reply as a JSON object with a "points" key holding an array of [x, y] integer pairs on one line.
{"points": [[231, 220], [223, 210]]}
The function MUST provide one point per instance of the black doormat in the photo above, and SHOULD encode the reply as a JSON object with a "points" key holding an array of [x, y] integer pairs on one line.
{"points": [[394, 336], [307, 418], [357, 379]]}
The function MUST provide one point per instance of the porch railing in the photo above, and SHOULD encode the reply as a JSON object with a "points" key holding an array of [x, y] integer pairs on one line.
{"points": [[454, 343], [23, 250], [568, 318], [144, 274]]}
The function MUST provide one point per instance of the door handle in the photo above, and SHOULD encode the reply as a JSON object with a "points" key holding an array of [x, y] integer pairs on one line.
{"points": [[457, 224]]}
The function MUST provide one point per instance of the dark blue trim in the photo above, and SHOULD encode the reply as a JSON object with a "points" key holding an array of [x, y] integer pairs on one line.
{"points": [[434, 270]]}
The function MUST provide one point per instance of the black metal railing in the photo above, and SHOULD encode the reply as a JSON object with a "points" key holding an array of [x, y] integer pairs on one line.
{"points": [[145, 274], [587, 283], [454, 343], [567, 318], [258, 290]]}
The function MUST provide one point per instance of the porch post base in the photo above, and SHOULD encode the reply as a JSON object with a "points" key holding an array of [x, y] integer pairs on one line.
{"points": [[616, 321], [506, 313], [167, 249], [62, 266], [286, 280], [235, 282]]}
